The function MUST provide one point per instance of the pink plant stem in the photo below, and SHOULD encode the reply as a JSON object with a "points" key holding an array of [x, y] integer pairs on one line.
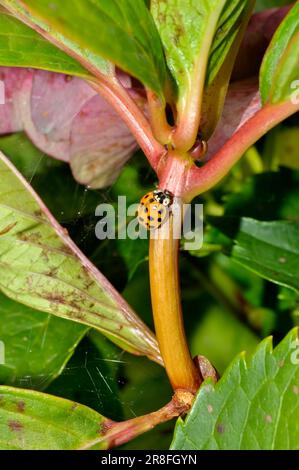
{"points": [[174, 172], [116, 434], [202, 179]]}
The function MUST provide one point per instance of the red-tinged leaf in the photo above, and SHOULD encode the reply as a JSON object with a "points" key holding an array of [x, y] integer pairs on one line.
{"points": [[55, 101], [100, 144], [258, 35], [66, 119], [10, 119], [242, 102], [48, 103]]}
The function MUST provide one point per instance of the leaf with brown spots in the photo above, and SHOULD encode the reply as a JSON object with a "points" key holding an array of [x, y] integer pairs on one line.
{"points": [[25, 414], [255, 406], [37, 345], [41, 267]]}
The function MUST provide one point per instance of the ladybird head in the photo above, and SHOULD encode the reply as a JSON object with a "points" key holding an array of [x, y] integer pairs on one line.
{"points": [[163, 197], [158, 195]]}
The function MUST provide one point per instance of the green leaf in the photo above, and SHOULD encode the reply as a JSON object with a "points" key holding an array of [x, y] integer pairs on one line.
{"points": [[37, 346], [225, 47], [187, 30], [254, 406], [230, 22], [20, 46], [41, 267], [279, 71], [35, 421], [121, 31], [269, 249], [197, 36]]}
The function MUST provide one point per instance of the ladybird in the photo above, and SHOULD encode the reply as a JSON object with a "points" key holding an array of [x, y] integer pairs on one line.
{"points": [[153, 209]]}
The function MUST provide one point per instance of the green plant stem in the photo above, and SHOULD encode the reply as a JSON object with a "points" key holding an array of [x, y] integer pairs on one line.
{"points": [[167, 310]]}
